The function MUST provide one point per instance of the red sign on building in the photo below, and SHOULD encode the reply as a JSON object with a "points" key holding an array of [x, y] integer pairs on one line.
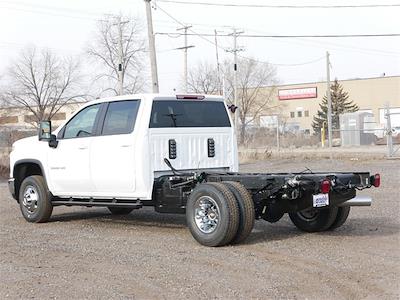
{"points": [[301, 93]]}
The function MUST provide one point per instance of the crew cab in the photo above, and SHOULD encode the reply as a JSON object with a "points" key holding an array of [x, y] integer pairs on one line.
{"points": [[177, 154]]}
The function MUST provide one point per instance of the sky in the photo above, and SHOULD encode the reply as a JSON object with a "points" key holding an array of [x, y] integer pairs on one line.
{"points": [[66, 27]]}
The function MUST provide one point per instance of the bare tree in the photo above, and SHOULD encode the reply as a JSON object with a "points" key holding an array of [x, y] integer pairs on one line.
{"points": [[42, 82], [255, 88], [112, 33], [203, 79]]}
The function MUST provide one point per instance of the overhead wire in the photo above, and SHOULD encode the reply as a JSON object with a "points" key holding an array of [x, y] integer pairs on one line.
{"points": [[299, 41], [293, 36], [280, 5], [211, 42]]}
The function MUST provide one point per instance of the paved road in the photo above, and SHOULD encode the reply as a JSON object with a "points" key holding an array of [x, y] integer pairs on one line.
{"points": [[87, 253]]}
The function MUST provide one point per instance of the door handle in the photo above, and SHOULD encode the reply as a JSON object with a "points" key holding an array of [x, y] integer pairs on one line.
{"points": [[82, 147], [126, 146]]}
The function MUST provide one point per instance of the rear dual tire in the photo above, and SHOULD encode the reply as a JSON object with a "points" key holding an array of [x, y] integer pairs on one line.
{"points": [[212, 214], [317, 220], [220, 213]]}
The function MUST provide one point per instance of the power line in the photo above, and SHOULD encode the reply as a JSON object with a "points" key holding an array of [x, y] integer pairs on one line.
{"points": [[202, 36], [295, 36], [280, 6], [175, 35], [286, 65], [183, 24], [300, 41]]}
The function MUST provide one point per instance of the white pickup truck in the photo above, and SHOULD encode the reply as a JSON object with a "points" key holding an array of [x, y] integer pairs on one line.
{"points": [[175, 153]]}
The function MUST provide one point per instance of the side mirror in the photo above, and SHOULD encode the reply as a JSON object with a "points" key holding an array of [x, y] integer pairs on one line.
{"points": [[45, 134], [45, 131]]}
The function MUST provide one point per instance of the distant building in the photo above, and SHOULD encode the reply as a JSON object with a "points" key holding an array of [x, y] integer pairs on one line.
{"points": [[298, 103], [20, 118]]}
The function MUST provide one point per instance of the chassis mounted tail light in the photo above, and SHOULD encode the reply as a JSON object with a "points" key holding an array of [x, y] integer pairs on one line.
{"points": [[325, 186], [376, 180]]}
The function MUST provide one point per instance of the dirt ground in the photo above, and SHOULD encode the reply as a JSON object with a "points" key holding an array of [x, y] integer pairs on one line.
{"points": [[86, 253]]}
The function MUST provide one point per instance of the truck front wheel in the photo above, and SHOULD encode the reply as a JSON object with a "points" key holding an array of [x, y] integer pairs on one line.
{"points": [[314, 220], [35, 199], [212, 214]]}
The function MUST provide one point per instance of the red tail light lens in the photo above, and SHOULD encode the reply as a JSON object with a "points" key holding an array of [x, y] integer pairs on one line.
{"points": [[325, 186], [376, 180]]}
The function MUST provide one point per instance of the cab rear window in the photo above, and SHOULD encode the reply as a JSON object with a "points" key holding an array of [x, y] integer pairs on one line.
{"points": [[170, 113]]}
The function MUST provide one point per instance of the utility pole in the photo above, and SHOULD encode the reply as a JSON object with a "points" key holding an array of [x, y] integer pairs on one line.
{"points": [[152, 47], [185, 57], [120, 56], [218, 67], [235, 50], [328, 96]]}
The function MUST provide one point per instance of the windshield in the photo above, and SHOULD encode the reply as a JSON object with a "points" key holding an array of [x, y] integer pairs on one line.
{"points": [[180, 113]]}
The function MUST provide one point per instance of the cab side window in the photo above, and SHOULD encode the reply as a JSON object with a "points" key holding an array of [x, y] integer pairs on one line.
{"points": [[83, 124], [120, 117]]}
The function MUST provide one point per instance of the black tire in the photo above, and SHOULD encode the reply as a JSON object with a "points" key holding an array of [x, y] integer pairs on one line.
{"points": [[246, 210], [120, 210], [35, 199], [224, 208], [343, 213], [314, 220]]}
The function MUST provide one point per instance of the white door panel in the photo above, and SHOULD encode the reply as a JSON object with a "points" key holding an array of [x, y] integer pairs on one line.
{"points": [[69, 167], [113, 165]]}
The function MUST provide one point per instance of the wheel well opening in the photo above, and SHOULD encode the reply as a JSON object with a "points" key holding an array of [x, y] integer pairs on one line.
{"points": [[23, 170]]}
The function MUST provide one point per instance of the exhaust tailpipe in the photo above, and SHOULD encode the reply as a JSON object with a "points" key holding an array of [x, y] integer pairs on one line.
{"points": [[358, 201]]}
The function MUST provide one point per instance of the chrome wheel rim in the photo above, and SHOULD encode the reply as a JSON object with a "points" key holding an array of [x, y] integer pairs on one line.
{"points": [[206, 214], [30, 200], [308, 215]]}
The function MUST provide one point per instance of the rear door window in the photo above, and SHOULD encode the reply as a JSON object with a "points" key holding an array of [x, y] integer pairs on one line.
{"points": [[120, 117], [172, 113]]}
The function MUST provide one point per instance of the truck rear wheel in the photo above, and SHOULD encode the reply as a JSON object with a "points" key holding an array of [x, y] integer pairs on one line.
{"points": [[314, 220], [212, 214], [120, 210], [343, 213], [246, 210], [35, 199]]}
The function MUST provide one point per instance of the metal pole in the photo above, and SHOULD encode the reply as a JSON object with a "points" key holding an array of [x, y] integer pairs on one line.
{"points": [[389, 137], [185, 57], [278, 144], [218, 68], [328, 95], [121, 54], [235, 74], [152, 47], [185, 65]]}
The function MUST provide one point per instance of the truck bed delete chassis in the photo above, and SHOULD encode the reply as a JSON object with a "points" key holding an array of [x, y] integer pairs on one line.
{"points": [[273, 193]]}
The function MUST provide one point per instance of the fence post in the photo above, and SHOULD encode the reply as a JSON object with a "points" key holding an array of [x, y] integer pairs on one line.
{"points": [[389, 138]]}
